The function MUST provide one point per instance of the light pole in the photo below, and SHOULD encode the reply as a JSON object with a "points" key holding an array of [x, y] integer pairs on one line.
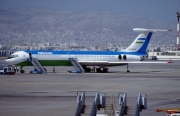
{"points": [[178, 16]]}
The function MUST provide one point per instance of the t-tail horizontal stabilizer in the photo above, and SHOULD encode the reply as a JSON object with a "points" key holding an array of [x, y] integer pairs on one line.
{"points": [[148, 30]]}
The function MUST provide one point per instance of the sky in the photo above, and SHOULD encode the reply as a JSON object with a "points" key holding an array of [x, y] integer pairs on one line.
{"points": [[164, 10]]}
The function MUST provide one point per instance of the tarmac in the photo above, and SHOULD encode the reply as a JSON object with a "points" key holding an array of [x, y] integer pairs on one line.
{"points": [[54, 94]]}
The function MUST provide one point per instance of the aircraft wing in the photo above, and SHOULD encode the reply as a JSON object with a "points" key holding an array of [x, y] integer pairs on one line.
{"points": [[142, 62], [121, 62]]}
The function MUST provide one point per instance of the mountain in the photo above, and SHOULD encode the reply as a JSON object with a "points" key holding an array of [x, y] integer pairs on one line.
{"points": [[40, 25]]}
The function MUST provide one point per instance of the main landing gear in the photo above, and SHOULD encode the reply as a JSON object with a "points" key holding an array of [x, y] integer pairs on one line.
{"points": [[101, 70], [98, 70]]}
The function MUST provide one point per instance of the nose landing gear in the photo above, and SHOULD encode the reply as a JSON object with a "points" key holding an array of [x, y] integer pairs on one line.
{"points": [[22, 71]]}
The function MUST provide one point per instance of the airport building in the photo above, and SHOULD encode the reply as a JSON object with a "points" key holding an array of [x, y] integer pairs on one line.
{"points": [[5, 53], [165, 55]]}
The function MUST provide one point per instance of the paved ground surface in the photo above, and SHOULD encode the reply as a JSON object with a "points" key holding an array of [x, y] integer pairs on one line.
{"points": [[54, 94]]}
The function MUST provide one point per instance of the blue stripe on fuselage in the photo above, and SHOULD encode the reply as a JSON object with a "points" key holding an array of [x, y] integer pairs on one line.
{"points": [[49, 52]]}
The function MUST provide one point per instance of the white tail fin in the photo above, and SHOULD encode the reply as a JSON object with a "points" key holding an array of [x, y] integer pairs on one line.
{"points": [[140, 44]]}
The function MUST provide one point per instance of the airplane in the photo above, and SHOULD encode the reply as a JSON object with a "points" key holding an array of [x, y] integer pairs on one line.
{"points": [[135, 53]]}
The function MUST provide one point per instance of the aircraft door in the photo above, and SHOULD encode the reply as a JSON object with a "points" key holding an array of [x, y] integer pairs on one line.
{"points": [[30, 56], [68, 55]]}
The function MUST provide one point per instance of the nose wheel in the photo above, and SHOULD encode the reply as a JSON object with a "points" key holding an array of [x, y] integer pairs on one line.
{"points": [[22, 71]]}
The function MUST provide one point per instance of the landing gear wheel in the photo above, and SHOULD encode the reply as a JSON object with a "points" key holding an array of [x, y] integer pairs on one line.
{"points": [[128, 70], [22, 71], [98, 70], [87, 70], [105, 70], [101, 70]]}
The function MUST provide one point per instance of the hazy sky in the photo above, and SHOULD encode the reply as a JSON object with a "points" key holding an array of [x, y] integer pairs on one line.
{"points": [[150, 9]]}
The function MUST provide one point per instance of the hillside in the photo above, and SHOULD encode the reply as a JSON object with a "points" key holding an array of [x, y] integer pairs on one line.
{"points": [[28, 25]]}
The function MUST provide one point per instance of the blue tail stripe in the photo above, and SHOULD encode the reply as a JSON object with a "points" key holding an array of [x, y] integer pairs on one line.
{"points": [[142, 50], [141, 38]]}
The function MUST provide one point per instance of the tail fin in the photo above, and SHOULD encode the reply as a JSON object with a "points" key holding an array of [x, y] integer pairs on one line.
{"points": [[140, 44]]}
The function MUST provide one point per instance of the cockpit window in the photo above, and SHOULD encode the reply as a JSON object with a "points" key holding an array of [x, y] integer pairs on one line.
{"points": [[12, 56]]}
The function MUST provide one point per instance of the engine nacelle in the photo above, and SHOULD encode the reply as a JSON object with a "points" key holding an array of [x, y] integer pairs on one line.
{"points": [[129, 57]]}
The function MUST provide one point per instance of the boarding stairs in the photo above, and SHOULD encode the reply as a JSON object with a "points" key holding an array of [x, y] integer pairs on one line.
{"points": [[130, 111], [39, 68], [97, 108], [77, 66], [100, 108]]}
